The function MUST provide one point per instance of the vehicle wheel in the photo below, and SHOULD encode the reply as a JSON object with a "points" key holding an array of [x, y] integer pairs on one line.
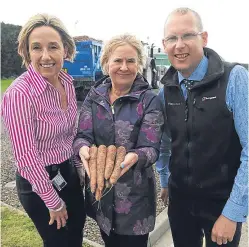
{"points": [[154, 81], [81, 94], [148, 75]]}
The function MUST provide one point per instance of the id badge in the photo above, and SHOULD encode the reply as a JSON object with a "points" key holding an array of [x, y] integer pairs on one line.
{"points": [[59, 182]]}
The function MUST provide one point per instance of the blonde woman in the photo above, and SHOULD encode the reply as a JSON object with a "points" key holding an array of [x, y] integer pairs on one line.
{"points": [[39, 110], [122, 110]]}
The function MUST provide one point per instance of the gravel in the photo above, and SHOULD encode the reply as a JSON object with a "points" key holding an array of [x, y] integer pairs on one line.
{"points": [[9, 195]]}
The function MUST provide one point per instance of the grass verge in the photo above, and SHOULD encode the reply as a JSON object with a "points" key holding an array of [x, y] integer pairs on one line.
{"points": [[18, 230], [5, 84]]}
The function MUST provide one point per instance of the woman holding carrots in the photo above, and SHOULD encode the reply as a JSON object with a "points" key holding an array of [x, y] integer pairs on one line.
{"points": [[122, 111]]}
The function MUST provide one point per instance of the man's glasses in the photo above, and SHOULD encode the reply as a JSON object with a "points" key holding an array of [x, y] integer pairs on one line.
{"points": [[173, 39]]}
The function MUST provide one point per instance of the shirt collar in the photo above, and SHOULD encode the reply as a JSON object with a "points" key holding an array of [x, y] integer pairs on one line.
{"points": [[39, 83], [199, 72]]}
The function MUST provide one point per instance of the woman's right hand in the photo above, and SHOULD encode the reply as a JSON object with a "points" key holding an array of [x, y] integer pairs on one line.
{"points": [[59, 216], [85, 156]]}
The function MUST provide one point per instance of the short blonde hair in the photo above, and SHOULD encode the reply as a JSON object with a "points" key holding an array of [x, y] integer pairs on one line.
{"points": [[39, 20], [184, 11], [120, 40]]}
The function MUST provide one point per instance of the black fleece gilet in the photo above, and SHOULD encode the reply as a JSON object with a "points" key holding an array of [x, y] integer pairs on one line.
{"points": [[205, 146]]}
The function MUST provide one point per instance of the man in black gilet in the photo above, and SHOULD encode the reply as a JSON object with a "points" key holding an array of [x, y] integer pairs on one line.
{"points": [[206, 105]]}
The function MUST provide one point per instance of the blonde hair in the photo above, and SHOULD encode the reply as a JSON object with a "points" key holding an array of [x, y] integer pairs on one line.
{"points": [[39, 20], [184, 11], [120, 40]]}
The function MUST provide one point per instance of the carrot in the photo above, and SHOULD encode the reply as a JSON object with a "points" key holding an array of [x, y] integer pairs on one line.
{"points": [[110, 160], [93, 167], [121, 152], [101, 157], [98, 194]]}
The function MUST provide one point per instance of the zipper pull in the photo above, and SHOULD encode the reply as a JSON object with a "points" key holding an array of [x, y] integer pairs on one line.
{"points": [[112, 108], [186, 112]]}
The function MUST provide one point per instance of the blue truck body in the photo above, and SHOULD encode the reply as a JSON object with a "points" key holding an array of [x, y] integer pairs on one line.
{"points": [[85, 69]]}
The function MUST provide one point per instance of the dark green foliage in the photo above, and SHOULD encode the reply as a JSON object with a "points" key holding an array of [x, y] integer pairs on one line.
{"points": [[10, 62], [245, 65]]}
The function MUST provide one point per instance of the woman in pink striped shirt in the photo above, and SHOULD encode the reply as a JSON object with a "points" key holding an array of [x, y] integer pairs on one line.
{"points": [[39, 110]]}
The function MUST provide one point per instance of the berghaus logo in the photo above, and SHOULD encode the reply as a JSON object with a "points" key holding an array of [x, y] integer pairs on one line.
{"points": [[172, 103], [208, 98]]}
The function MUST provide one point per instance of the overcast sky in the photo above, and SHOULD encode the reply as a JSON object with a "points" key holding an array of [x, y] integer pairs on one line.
{"points": [[226, 21]]}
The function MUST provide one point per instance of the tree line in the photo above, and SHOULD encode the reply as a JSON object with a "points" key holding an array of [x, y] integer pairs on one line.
{"points": [[11, 62]]}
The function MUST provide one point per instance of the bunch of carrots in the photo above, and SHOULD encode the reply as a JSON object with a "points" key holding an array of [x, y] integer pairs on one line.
{"points": [[104, 166]]}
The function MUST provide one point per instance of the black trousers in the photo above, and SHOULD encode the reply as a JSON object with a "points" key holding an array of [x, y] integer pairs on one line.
{"points": [[72, 234], [116, 240], [193, 218]]}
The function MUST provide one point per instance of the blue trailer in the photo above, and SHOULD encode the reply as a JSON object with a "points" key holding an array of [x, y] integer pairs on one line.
{"points": [[85, 68]]}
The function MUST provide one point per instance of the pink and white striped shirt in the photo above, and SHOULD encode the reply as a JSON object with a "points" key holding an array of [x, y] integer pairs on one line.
{"points": [[41, 132]]}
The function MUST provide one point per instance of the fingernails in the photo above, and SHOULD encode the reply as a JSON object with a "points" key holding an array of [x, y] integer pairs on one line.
{"points": [[122, 165]]}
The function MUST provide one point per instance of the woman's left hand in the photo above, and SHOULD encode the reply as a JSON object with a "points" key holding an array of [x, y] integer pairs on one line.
{"points": [[129, 160]]}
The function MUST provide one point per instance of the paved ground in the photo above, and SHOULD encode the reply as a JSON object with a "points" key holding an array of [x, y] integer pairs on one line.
{"points": [[166, 239], [244, 237]]}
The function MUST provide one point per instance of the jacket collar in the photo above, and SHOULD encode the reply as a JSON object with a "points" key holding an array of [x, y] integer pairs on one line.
{"points": [[199, 72], [140, 85]]}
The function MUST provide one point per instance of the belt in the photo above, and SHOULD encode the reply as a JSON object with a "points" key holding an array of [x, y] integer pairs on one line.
{"points": [[55, 168]]}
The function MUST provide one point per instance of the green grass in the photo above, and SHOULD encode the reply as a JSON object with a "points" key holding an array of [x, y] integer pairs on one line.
{"points": [[5, 83], [18, 230]]}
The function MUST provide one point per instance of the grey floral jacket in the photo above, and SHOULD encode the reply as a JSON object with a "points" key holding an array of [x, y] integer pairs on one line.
{"points": [[134, 121]]}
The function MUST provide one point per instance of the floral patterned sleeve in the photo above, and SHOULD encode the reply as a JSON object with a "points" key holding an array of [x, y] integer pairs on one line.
{"points": [[148, 143], [84, 136]]}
